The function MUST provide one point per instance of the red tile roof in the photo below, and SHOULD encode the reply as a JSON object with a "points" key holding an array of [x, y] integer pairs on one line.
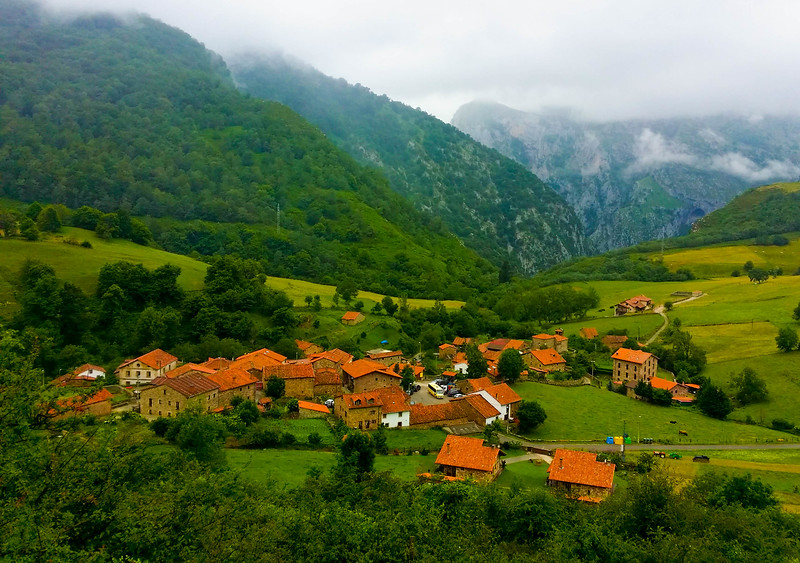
{"points": [[351, 316], [308, 405], [543, 336], [258, 360], [157, 358], [514, 344], [548, 357], [186, 368], [441, 412], [467, 453], [461, 341], [79, 401], [416, 369], [503, 394], [264, 352], [445, 346], [390, 399], [360, 368], [659, 383], [477, 384], [189, 385], [232, 378], [217, 363], [589, 332], [581, 468], [480, 404], [87, 367], [336, 356], [632, 356], [290, 371], [303, 345]]}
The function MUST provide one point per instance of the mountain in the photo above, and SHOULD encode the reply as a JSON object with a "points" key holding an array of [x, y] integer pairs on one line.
{"points": [[131, 113], [638, 180], [492, 203]]}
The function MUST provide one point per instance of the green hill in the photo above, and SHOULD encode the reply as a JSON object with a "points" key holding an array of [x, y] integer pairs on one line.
{"points": [[494, 204], [135, 114]]}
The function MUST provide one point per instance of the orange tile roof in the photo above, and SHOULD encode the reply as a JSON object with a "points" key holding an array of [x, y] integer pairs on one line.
{"points": [[362, 400], [632, 356], [232, 378], [258, 360], [416, 369], [308, 405], [492, 355], [336, 356], [363, 367], [351, 316], [543, 336], [503, 394], [440, 412], [467, 453], [393, 400], [186, 368], [290, 371], [478, 383], [189, 385], [589, 332], [461, 341], [514, 344], [445, 346], [548, 357], [581, 468], [303, 345], [560, 338], [480, 404], [460, 358], [217, 363], [449, 373], [78, 401], [659, 383], [157, 358], [327, 376], [264, 352]]}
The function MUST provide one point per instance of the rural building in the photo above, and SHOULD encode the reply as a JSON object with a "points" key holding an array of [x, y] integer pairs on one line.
{"points": [[97, 404], [469, 458], [447, 351], [335, 358], [299, 378], [557, 342], [503, 398], [234, 383], [146, 368], [588, 332], [217, 363], [476, 384], [452, 413], [83, 376], [307, 409], [308, 348], [496, 345], [460, 342], [197, 369], [255, 362], [488, 410], [634, 365], [460, 363], [677, 390], [613, 341], [419, 371], [170, 395], [352, 318], [327, 382], [387, 406], [367, 375], [548, 359], [386, 357], [637, 304], [580, 476]]}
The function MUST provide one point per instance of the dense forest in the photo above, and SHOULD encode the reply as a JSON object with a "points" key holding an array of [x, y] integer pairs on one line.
{"points": [[136, 115], [491, 202]]}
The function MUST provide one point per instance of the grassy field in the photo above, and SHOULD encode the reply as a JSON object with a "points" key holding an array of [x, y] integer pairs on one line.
{"points": [[726, 342], [301, 428], [587, 413], [638, 326], [524, 475]]}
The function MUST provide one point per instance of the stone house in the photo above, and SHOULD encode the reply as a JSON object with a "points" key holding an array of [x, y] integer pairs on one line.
{"points": [[331, 359], [307, 409], [589, 332], [634, 365], [447, 351], [352, 318], [547, 359], [501, 396], [299, 378], [97, 404], [308, 348], [386, 357], [367, 375], [170, 395], [255, 362], [327, 382], [468, 458], [387, 406], [613, 341], [234, 383], [637, 304], [197, 369], [580, 476], [145, 369]]}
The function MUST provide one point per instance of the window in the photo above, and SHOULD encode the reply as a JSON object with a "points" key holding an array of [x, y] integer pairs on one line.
{"points": [[169, 403], [138, 373], [165, 391], [177, 405], [159, 413], [151, 403]]}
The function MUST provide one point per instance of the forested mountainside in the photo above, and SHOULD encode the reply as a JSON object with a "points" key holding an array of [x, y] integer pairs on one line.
{"points": [[632, 181], [137, 115], [495, 205]]}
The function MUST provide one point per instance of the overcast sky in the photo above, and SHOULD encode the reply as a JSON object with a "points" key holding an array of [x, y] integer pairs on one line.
{"points": [[607, 60]]}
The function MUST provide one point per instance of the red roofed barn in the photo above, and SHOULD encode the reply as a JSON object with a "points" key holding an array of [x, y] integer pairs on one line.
{"points": [[468, 458]]}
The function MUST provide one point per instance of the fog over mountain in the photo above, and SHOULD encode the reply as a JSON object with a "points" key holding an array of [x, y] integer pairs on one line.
{"points": [[638, 180]]}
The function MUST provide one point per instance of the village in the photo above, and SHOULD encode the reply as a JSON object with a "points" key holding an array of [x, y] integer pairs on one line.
{"points": [[385, 389]]}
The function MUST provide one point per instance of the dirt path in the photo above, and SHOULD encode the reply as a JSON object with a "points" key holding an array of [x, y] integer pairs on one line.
{"points": [[660, 311]]}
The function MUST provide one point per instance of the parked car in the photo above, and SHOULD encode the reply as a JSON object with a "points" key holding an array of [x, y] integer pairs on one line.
{"points": [[453, 391], [701, 458]]}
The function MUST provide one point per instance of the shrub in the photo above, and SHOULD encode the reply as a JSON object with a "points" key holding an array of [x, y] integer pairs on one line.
{"points": [[160, 426], [783, 425], [288, 439], [314, 439]]}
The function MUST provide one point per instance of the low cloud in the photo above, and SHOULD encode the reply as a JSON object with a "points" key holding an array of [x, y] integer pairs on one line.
{"points": [[736, 164], [652, 150]]}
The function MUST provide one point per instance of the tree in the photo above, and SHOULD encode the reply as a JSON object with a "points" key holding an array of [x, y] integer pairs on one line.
{"points": [[388, 305], [379, 439], [200, 435], [750, 388], [757, 275], [505, 272], [713, 402], [347, 290], [356, 454], [247, 411], [796, 313], [530, 414], [748, 266], [28, 229], [408, 377], [48, 220], [786, 339], [510, 365], [668, 305], [276, 387], [293, 406], [476, 363]]}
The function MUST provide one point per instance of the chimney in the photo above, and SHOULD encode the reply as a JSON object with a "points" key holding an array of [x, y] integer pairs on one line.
{"points": [[561, 463], [448, 447]]}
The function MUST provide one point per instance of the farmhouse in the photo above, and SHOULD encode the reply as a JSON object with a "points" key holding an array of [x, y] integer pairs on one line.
{"points": [[469, 458], [197, 369], [98, 404], [588, 332], [613, 342], [580, 476], [307, 409], [300, 378], [308, 348], [637, 304], [367, 375], [352, 318], [387, 406], [557, 342], [548, 359], [170, 395], [83, 376], [677, 390], [460, 342], [146, 368], [255, 362], [335, 359], [506, 399], [327, 381], [386, 357], [634, 365], [234, 383], [217, 363], [447, 351]]}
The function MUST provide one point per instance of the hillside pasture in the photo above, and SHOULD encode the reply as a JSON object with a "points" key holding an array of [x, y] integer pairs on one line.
{"points": [[638, 325], [586, 413], [729, 341]]}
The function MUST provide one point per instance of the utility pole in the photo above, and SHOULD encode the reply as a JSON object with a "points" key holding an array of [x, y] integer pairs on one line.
{"points": [[639, 431], [279, 218], [623, 440]]}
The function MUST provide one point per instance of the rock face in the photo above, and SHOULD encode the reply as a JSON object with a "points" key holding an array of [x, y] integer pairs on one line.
{"points": [[492, 203], [639, 180]]}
